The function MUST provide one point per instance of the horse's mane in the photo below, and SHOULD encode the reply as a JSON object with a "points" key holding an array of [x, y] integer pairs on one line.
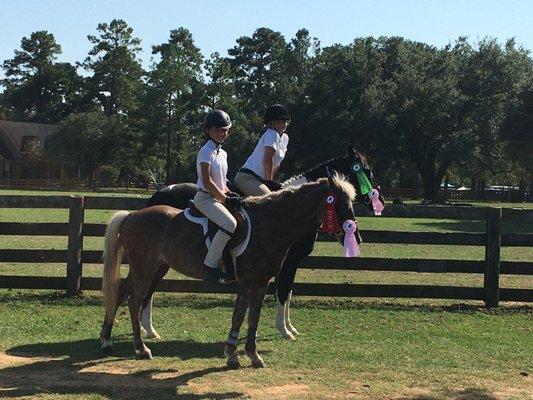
{"points": [[275, 197], [345, 185], [280, 195], [312, 169], [323, 164]]}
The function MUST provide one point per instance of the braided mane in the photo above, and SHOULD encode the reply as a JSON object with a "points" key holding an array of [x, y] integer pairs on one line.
{"points": [[311, 170]]}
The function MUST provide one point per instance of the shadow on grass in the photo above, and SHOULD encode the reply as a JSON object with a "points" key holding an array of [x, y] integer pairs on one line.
{"points": [[79, 368], [209, 302], [463, 394], [466, 226], [470, 226], [89, 349]]}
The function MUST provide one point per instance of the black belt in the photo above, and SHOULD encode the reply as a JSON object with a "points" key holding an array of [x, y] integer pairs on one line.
{"points": [[250, 172]]}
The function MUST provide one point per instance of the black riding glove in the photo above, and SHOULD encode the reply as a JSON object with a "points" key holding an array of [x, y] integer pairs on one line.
{"points": [[273, 185], [233, 202]]}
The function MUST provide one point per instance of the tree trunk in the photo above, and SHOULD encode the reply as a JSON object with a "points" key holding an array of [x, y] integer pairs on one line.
{"points": [[432, 177], [168, 166]]}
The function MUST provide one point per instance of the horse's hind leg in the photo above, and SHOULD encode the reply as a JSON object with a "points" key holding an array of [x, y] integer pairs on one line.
{"points": [[230, 348], [139, 288], [105, 334], [253, 322], [146, 311]]}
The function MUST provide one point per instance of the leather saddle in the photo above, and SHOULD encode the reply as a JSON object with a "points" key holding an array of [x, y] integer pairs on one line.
{"points": [[240, 232]]}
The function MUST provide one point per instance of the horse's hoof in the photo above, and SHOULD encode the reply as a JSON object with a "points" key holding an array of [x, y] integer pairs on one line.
{"points": [[258, 363], [153, 335], [289, 336], [144, 354], [257, 360], [293, 330], [107, 347], [107, 350], [233, 363]]}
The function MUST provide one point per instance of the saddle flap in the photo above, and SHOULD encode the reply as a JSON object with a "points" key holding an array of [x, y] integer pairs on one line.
{"points": [[239, 234]]}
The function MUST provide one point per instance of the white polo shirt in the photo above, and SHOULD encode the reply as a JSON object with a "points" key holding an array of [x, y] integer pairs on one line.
{"points": [[211, 153], [271, 138]]}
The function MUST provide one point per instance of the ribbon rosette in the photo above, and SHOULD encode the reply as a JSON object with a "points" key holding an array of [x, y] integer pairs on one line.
{"points": [[351, 248]]}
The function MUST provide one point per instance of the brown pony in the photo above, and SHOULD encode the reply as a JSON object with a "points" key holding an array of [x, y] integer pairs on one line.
{"points": [[156, 237]]}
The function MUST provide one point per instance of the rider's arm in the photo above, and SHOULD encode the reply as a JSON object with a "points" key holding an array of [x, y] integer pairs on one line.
{"points": [[209, 185], [268, 163]]}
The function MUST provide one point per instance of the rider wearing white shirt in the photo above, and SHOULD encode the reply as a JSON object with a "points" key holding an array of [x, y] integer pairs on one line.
{"points": [[213, 194], [256, 176]]}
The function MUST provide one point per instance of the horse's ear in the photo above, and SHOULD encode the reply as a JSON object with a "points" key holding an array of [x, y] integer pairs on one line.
{"points": [[331, 180], [353, 151]]}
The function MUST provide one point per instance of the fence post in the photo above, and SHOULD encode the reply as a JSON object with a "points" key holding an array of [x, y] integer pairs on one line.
{"points": [[492, 257], [75, 245]]}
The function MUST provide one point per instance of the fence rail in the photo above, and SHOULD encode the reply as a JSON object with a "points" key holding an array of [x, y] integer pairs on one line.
{"points": [[492, 267]]}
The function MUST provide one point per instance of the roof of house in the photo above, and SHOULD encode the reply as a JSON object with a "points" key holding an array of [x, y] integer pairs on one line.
{"points": [[12, 134]]}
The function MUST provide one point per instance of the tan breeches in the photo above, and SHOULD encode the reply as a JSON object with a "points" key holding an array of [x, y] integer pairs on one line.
{"points": [[249, 185], [216, 212]]}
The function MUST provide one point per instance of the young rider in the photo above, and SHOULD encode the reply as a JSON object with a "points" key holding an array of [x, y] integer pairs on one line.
{"points": [[256, 177], [213, 194]]}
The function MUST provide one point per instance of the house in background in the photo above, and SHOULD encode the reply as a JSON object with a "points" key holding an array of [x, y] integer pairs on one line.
{"points": [[21, 152]]}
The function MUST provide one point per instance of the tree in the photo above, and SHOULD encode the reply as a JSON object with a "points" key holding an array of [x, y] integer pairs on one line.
{"points": [[36, 87], [174, 93], [87, 140], [116, 80], [517, 130]]}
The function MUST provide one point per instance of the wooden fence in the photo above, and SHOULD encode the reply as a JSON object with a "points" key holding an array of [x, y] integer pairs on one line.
{"points": [[491, 292]]}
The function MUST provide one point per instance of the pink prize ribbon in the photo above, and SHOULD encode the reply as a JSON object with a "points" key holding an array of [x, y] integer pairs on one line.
{"points": [[351, 248], [376, 203]]}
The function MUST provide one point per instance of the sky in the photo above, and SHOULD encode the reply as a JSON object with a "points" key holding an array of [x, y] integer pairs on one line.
{"points": [[215, 25]]}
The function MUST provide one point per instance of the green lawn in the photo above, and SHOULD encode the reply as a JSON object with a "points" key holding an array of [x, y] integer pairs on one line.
{"points": [[349, 348]]}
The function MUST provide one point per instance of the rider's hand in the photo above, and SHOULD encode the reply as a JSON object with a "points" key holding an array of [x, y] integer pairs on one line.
{"points": [[233, 202], [232, 194], [273, 185]]}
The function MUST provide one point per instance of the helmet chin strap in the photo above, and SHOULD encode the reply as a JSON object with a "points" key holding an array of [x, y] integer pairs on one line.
{"points": [[218, 145]]}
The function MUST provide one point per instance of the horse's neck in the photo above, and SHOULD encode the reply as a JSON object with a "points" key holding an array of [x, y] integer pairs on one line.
{"points": [[303, 209], [312, 174]]}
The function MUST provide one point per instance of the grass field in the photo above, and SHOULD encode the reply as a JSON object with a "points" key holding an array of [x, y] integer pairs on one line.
{"points": [[353, 349], [349, 349]]}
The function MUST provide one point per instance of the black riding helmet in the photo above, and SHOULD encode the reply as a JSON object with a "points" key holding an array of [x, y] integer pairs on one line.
{"points": [[277, 112], [218, 118]]}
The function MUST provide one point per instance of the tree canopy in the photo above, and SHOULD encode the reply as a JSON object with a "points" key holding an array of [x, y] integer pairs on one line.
{"points": [[419, 112]]}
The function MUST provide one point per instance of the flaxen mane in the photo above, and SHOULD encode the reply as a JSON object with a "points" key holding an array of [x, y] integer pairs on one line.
{"points": [[273, 198]]}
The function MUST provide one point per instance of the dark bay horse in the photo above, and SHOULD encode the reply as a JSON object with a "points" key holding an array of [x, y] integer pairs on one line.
{"points": [[178, 195], [161, 236]]}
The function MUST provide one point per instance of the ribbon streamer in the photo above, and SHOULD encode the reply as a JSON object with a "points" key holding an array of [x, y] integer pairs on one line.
{"points": [[376, 203], [351, 248]]}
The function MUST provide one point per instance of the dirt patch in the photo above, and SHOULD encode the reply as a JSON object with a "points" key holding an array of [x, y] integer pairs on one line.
{"points": [[8, 361], [289, 391], [131, 379]]}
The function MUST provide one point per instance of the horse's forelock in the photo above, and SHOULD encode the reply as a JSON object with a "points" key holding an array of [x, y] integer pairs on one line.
{"points": [[345, 185]]}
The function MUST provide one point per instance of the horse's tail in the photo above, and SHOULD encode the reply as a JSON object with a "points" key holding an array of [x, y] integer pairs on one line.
{"points": [[113, 252]]}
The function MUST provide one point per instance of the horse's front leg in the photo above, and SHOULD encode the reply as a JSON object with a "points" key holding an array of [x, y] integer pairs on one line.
{"points": [[146, 311], [230, 348], [256, 302], [285, 281]]}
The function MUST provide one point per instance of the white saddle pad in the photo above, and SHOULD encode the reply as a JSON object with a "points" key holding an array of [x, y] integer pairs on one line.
{"points": [[203, 222]]}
